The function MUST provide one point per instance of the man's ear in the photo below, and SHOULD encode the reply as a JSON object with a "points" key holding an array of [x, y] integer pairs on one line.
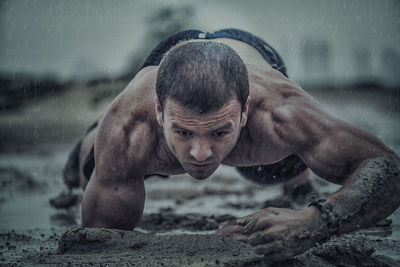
{"points": [[245, 112], [159, 111]]}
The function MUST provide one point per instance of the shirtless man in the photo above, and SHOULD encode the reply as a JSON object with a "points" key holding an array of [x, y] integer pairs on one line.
{"points": [[204, 99]]}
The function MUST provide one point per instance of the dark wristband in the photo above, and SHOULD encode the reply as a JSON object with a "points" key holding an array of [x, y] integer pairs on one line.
{"points": [[328, 215]]}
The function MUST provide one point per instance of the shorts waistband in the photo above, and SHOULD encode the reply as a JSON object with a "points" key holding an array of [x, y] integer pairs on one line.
{"points": [[268, 53]]}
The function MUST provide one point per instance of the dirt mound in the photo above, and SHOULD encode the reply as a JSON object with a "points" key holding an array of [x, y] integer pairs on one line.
{"points": [[104, 246], [159, 222], [114, 247]]}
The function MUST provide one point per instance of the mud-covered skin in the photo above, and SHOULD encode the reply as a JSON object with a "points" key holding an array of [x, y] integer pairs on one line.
{"points": [[278, 233], [368, 196]]}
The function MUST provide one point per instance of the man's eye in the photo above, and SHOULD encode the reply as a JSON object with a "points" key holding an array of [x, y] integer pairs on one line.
{"points": [[219, 133], [184, 133]]}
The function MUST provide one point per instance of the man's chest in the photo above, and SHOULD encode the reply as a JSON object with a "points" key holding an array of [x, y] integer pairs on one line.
{"points": [[257, 144]]}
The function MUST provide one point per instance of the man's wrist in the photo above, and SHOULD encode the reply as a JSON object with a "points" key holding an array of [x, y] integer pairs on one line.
{"points": [[327, 216]]}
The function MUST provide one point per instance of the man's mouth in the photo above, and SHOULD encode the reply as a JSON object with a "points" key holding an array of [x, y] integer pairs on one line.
{"points": [[201, 165]]}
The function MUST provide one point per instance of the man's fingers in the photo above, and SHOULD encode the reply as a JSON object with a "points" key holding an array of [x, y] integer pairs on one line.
{"points": [[260, 237], [243, 221], [239, 237], [250, 225], [258, 221], [256, 225], [230, 228], [235, 229]]}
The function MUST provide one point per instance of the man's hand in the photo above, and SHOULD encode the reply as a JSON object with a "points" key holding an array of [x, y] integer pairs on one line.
{"points": [[278, 233]]}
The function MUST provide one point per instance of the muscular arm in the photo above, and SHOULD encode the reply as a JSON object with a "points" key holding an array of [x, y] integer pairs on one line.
{"points": [[335, 151], [368, 170], [113, 205], [370, 194], [114, 197], [343, 154]]}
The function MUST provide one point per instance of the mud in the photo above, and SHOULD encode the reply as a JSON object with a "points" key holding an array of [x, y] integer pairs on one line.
{"points": [[114, 247], [159, 222]]}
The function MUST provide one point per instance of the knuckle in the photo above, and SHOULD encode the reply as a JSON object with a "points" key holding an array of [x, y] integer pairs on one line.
{"points": [[255, 238], [242, 221], [264, 221], [250, 226]]}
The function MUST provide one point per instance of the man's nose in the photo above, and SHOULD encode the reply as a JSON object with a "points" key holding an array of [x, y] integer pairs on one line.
{"points": [[201, 151]]}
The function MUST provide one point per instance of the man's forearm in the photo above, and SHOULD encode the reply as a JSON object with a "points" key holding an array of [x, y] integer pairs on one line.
{"points": [[370, 194], [117, 206]]}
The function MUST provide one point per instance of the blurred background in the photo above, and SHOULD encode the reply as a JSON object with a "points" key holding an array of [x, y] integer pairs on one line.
{"points": [[321, 41], [62, 62]]}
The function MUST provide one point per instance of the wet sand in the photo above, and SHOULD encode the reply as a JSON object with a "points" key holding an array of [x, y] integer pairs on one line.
{"points": [[181, 214]]}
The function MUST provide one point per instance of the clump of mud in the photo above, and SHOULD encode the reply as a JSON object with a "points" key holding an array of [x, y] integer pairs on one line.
{"points": [[83, 246], [105, 246], [161, 222]]}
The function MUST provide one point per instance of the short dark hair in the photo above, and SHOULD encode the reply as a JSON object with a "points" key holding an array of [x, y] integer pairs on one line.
{"points": [[202, 76]]}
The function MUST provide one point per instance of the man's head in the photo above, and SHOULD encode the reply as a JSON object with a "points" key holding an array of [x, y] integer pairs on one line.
{"points": [[202, 76], [202, 90]]}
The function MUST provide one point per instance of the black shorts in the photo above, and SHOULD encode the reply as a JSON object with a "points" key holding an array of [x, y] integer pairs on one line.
{"points": [[265, 174]]}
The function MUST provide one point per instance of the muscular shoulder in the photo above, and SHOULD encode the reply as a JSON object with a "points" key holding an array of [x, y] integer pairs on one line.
{"points": [[126, 134], [300, 122], [126, 131], [289, 116]]}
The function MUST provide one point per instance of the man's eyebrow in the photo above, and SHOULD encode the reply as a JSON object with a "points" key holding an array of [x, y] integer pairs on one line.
{"points": [[227, 126], [176, 126]]}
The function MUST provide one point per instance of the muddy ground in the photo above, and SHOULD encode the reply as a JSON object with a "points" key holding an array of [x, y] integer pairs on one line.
{"points": [[181, 214]]}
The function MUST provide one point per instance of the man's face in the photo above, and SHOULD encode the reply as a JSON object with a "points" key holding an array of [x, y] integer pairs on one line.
{"points": [[200, 142]]}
